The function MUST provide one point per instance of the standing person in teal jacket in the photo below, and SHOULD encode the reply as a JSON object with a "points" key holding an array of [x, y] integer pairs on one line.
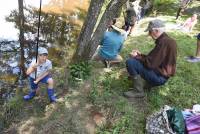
{"points": [[111, 45]]}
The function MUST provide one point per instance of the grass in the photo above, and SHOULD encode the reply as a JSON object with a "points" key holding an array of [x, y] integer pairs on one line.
{"points": [[181, 91], [107, 95]]}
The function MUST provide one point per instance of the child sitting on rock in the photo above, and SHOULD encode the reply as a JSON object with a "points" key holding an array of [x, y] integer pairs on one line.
{"points": [[40, 72]]}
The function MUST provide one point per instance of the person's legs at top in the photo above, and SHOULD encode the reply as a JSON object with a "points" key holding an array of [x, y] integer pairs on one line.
{"points": [[138, 17], [126, 26], [132, 25], [143, 12], [198, 46], [178, 13], [132, 28]]}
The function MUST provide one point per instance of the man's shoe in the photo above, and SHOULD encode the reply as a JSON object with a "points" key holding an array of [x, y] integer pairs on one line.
{"points": [[138, 88], [132, 94]]}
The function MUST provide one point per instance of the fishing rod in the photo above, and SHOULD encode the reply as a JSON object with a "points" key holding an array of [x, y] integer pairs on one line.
{"points": [[38, 35]]}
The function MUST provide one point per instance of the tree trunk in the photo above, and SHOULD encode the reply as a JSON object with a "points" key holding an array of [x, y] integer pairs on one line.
{"points": [[21, 37], [111, 11], [88, 41], [88, 27]]}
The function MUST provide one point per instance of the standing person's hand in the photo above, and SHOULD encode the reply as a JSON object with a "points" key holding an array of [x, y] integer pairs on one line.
{"points": [[134, 53]]}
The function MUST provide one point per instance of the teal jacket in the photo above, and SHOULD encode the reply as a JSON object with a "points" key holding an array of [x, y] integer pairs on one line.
{"points": [[111, 45]]}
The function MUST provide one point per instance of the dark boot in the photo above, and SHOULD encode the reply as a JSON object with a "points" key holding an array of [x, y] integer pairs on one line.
{"points": [[29, 96], [138, 88], [50, 92], [178, 13]]}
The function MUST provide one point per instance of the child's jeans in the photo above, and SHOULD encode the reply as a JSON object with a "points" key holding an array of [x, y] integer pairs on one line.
{"points": [[35, 86]]}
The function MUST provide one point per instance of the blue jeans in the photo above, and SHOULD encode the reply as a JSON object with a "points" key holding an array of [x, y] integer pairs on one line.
{"points": [[135, 67]]}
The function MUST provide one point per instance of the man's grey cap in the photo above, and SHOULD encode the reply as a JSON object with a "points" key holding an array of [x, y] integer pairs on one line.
{"points": [[42, 50], [155, 24]]}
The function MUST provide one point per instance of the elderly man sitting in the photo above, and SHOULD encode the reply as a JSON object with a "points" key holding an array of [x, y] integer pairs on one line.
{"points": [[156, 67]]}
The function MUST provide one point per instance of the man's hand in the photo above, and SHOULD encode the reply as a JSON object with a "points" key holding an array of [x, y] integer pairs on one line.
{"points": [[134, 53]]}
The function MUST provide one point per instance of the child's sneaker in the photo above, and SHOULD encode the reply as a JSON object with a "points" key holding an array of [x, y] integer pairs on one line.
{"points": [[29, 96]]}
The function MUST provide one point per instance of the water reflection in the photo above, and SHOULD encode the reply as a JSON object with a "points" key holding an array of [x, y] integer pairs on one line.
{"points": [[8, 56]]}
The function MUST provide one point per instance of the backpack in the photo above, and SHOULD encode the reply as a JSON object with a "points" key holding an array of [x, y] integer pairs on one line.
{"points": [[158, 123]]}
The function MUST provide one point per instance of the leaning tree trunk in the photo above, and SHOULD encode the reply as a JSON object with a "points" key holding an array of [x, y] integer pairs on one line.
{"points": [[111, 11], [21, 37], [88, 27]]}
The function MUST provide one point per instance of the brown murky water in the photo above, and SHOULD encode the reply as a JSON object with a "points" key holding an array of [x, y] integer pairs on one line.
{"points": [[66, 6]]}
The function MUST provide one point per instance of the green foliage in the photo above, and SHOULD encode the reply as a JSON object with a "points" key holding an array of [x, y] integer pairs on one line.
{"points": [[10, 110], [106, 2], [80, 71], [106, 93], [123, 125], [104, 87], [96, 95], [162, 2], [159, 6]]}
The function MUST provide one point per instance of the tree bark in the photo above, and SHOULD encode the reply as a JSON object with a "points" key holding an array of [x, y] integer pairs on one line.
{"points": [[111, 12], [21, 37], [88, 27]]}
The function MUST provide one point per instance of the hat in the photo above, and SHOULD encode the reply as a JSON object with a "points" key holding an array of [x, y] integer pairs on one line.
{"points": [[118, 27], [155, 24], [42, 50]]}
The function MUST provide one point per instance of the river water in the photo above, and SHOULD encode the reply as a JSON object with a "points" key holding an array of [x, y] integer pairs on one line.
{"points": [[8, 54]]}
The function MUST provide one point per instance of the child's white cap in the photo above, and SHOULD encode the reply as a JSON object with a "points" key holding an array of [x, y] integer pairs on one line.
{"points": [[42, 50]]}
